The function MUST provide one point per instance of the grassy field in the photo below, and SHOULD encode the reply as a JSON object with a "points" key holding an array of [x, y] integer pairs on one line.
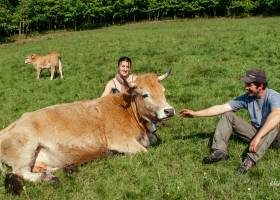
{"points": [[208, 57]]}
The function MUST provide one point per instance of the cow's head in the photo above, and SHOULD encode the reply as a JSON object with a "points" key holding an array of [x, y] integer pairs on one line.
{"points": [[29, 59], [149, 97]]}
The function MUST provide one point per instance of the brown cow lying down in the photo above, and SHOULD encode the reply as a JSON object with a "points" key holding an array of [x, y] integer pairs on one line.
{"points": [[71, 134], [51, 60]]}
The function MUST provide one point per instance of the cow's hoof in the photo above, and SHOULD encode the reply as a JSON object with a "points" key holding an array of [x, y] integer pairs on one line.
{"points": [[55, 181], [71, 169], [13, 184]]}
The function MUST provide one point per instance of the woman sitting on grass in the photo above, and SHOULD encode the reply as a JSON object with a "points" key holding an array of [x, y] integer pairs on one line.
{"points": [[117, 85]]}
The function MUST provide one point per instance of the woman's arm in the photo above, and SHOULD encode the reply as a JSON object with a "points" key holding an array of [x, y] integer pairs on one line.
{"points": [[108, 88]]}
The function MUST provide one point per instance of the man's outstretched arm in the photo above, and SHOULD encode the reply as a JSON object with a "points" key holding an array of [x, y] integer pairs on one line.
{"points": [[211, 111]]}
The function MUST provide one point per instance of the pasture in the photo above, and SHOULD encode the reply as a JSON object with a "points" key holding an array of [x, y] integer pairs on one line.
{"points": [[208, 57]]}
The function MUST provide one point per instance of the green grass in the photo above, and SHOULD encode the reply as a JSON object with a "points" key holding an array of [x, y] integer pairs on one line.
{"points": [[208, 57]]}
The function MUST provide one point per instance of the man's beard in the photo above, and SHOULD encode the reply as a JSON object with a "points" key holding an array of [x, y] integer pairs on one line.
{"points": [[250, 94]]}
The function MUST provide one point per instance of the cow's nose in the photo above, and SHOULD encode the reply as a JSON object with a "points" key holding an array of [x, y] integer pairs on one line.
{"points": [[169, 112]]}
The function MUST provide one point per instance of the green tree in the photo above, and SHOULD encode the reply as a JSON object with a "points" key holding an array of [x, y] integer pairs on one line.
{"points": [[268, 7], [6, 25], [21, 15], [139, 9], [242, 7]]}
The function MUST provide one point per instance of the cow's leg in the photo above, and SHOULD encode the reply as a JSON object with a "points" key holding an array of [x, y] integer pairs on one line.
{"points": [[25, 171], [52, 72], [60, 69], [26, 174], [21, 154], [13, 181], [38, 70], [130, 147]]}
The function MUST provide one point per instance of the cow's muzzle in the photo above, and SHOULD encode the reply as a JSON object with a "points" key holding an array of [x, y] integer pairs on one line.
{"points": [[165, 113], [169, 112]]}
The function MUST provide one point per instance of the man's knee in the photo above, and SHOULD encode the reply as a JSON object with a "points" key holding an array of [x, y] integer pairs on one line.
{"points": [[276, 143], [228, 115]]}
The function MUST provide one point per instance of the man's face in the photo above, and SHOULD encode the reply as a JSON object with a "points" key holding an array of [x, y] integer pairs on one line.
{"points": [[252, 89]]}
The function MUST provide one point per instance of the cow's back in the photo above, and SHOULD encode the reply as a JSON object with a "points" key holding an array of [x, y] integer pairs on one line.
{"points": [[51, 59], [67, 133], [54, 58]]}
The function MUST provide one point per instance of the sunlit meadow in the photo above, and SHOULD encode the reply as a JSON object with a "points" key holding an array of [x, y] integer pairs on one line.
{"points": [[207, 57]]}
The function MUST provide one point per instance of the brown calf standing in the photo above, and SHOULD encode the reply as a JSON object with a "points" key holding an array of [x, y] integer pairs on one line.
{"points": [[51, 60]]}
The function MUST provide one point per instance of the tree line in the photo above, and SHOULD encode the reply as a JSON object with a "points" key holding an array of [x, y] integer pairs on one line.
{"points": [[27, 16]]}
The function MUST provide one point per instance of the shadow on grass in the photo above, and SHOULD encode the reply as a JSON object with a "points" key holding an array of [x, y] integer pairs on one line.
{"points": [[46, 74], [203, 135]]}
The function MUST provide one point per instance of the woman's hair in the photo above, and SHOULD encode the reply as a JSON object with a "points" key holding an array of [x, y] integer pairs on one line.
{"points": [[125, 58]]}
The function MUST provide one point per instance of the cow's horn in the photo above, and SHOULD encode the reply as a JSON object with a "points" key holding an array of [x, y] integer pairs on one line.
{"points": [[130, 85], [164, 76]]}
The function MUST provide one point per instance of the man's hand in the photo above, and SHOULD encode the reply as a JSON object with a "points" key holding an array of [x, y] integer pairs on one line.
{"points": [[271, 122], [187, 113], [253, 144]]}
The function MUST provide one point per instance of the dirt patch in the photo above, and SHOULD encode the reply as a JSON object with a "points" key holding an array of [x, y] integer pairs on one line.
{"points": [[32, 38]]}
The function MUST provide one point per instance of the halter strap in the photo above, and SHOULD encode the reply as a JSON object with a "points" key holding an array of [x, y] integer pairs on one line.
{"points": [[136, 114]]}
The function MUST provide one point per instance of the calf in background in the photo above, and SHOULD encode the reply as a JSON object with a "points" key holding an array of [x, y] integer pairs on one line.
{"points": [[51, 60]]}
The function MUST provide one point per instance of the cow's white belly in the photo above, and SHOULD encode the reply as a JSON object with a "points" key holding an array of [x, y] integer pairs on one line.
{"points": [[45, 66]]}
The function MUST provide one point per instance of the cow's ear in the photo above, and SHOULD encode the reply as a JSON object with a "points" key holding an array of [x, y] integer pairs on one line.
{"points": [[129, 95], [164, 76], [33, 56]]}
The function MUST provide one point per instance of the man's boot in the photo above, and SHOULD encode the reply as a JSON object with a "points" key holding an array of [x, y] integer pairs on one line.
{"points": [[215, 156]]}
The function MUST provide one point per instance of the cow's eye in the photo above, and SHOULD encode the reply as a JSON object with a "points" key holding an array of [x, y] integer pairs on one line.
{"points": [[145, 95]]}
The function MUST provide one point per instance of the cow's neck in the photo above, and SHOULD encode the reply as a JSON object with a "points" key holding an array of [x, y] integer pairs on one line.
{"points": [[142, 122], [130, 103]]}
